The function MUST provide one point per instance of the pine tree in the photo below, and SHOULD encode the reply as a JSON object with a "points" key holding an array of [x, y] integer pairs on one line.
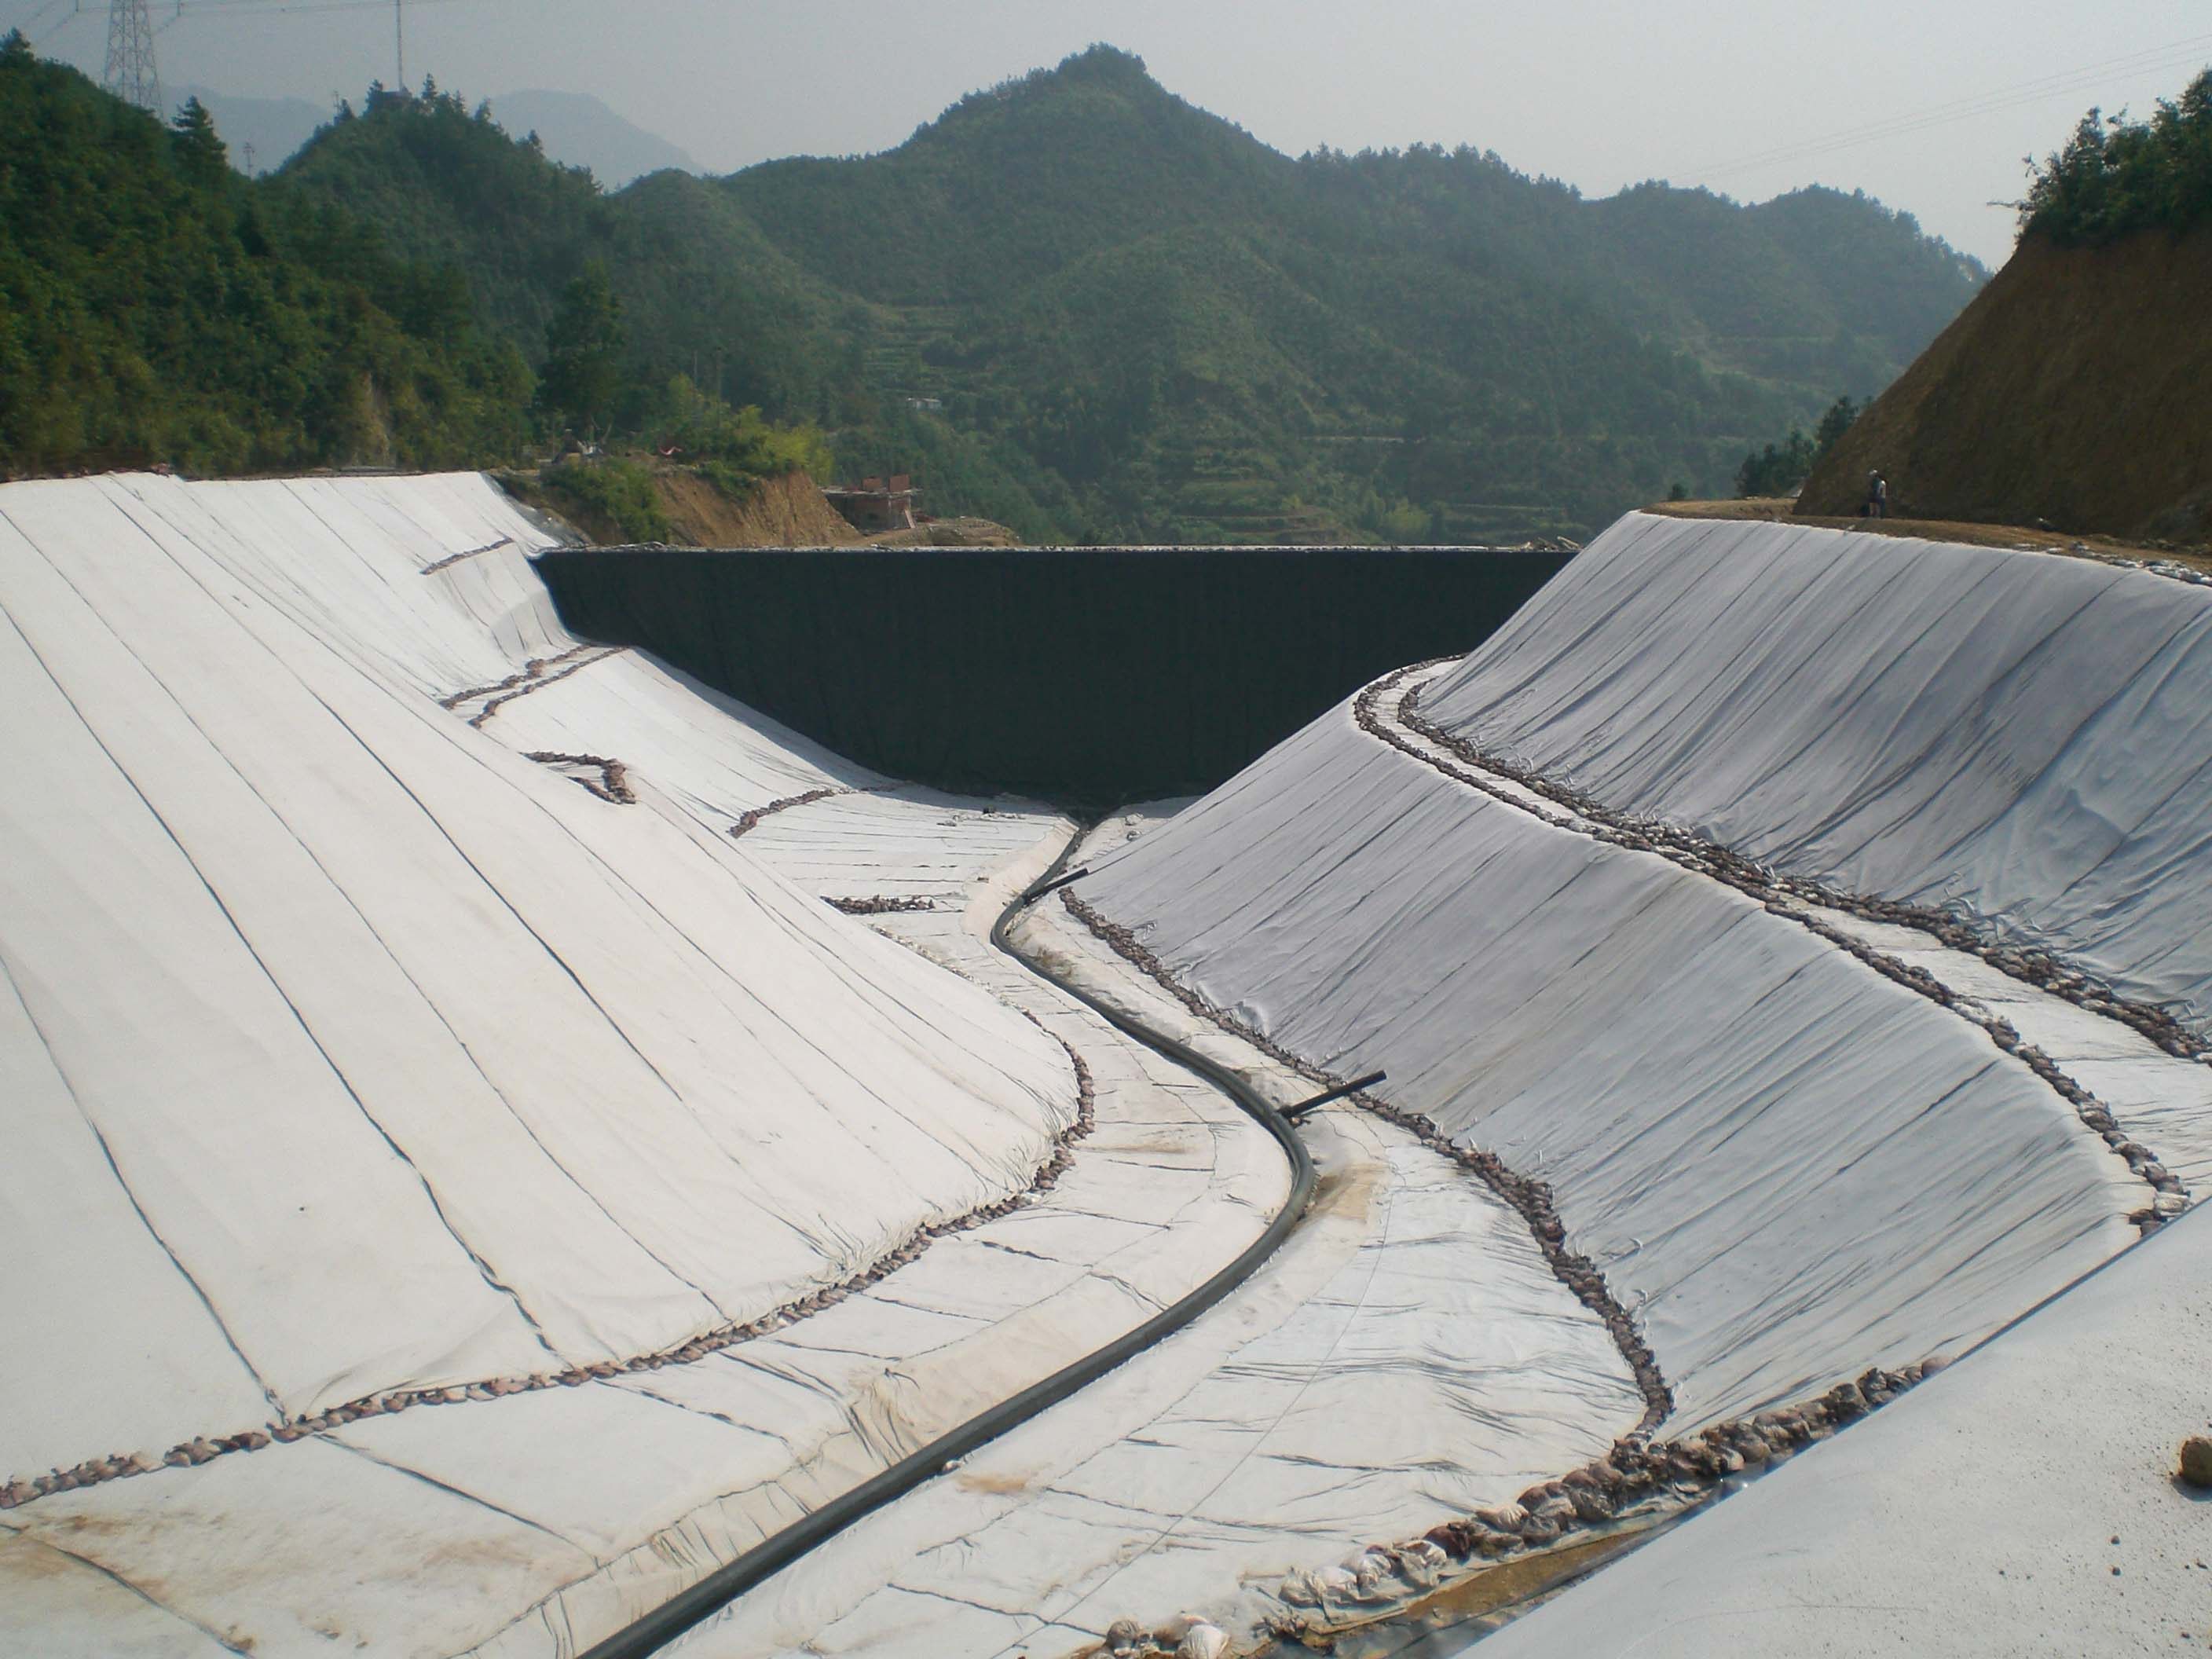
{"points": [[201, 156], [1833, 424], [583, 373]]}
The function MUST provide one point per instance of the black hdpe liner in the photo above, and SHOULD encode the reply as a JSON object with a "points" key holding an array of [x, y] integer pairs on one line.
{"points": [[1087, 677]]}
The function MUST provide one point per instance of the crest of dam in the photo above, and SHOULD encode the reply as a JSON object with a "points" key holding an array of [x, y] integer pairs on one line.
{"points": [[1088, 676]]}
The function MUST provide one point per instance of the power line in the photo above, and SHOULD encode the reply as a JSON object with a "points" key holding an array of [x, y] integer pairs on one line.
{"points": [[75, 11], [1992, 102], [41, 15], [130, 74], [212, 11], [215, 10], [1984, 104]]}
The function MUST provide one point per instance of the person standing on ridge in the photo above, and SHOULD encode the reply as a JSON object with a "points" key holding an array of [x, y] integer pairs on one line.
{"points": [[1877, 497]]}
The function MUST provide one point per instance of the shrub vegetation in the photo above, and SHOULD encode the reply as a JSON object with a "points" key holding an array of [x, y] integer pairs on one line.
{"points": [[2115, 177]]}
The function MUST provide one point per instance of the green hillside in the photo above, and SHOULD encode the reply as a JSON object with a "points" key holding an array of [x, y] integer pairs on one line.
{"points": [[153, 307], [1077, 304], [1200, 337]]}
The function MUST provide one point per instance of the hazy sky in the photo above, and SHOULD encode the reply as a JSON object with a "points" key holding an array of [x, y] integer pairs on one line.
{"points": [[1749, 97]]}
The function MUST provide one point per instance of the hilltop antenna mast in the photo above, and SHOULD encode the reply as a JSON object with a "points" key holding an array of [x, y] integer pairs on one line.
{"points": [[131, 75], [399, 36]]}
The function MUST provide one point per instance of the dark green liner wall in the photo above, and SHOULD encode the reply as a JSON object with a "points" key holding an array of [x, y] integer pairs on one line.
{"points": [[1091, 676]]}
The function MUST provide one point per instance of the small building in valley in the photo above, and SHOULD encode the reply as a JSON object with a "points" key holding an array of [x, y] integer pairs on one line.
{"points": [[875, 505]]}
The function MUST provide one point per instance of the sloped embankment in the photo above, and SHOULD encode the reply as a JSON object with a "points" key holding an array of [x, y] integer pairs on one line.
{"points": [[789, 511], [357, 1055], [2070, 390], [1787, 1162], [1786, 1167], [2021, 740], [688, 508]]}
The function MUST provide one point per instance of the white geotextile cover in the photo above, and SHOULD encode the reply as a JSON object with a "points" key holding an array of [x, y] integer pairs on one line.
{"points": [[1788, 1167], [2021, 1503], [476, 623], [1405, 1356], [2023, 737], [532, 1525], [344, 1049]]}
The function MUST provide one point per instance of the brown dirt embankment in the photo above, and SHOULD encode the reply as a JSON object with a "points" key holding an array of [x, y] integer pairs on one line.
{"points": [[786, 511], [696, 510], [2069, 394], [949, 533]]}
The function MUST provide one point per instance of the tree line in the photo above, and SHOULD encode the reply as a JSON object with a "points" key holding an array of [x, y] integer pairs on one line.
{"points": [[2115, 176], [1075, 304], [157, 308]]}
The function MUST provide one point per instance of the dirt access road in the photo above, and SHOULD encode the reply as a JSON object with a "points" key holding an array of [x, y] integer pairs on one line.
{"points": [[1778, 509]]}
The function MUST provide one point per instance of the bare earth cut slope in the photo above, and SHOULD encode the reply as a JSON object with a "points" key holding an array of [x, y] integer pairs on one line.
{"points": [[2071, 392]]}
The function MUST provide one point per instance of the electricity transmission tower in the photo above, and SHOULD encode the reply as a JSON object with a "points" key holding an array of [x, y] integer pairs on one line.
{"points": [[130, 75]]}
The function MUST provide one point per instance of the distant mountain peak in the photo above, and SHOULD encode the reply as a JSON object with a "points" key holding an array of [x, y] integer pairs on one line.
{"points": [[1100, 61], [1096, 67], [580, 130]]}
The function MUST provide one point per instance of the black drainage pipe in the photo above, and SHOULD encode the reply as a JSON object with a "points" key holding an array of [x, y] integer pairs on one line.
{"points": [[1294, 1113], [726, 1584], [1048, 884]]}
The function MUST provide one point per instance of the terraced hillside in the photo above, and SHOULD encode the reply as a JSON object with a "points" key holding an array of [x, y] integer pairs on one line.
{"points": [[1080, 307]]}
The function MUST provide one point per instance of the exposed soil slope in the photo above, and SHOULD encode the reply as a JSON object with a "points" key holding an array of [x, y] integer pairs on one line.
{"points": [[786, 511], [2070, 392], [789, 511], [949, 533]]}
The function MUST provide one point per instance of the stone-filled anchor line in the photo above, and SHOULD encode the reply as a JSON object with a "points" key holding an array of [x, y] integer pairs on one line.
{"points": [[1639, 1483], [452, 559], [2029, 965], [612, 783], [749, 819], [1529, 1198], [1781, 895], [204, 1449], [881, 907], [1662, 1477], [532, 676]]}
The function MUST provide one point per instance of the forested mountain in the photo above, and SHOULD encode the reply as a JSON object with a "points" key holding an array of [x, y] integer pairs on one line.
{"points": [[1142, 323], [1079, 304], [155, 306], [574, 128]]}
